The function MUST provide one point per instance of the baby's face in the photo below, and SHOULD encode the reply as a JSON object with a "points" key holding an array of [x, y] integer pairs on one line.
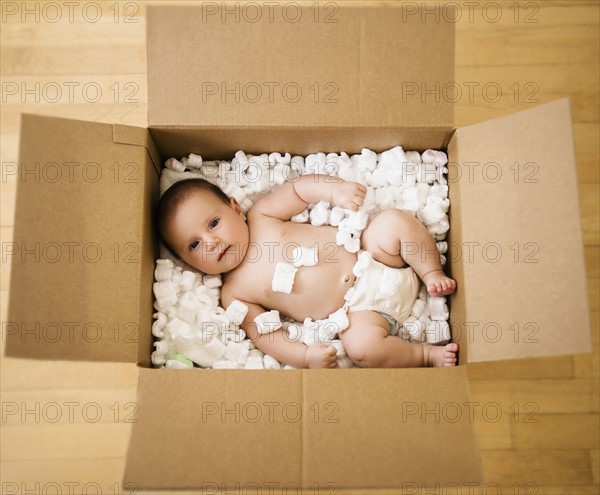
{"points": [[208, 234]]}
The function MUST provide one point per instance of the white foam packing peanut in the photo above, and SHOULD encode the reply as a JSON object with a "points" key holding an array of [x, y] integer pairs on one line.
{"points": [[437, 332], [270, 363], [301, 217], [408, 180], [237, 352], [438, 309], [236, 312], [337, 215], [323, 331], [193, 161], [320, 214], [268, 321], [350, 240], [175, 164], [283, 278], [294, 331], [254, 360], [305, 256], [163, 270]]}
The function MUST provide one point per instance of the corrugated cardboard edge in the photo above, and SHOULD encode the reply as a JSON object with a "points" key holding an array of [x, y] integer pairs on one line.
{"points": [[53, 207], [554, 276], [137, 136]]}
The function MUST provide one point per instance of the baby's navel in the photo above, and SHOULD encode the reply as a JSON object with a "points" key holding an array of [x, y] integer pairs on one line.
{"points": [[347, 278]]}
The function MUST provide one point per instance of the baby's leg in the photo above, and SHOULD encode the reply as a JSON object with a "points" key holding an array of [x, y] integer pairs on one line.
{"points": [[395, 238], [368, 343]]}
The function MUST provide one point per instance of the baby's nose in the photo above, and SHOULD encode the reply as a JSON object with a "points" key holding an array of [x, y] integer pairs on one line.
{"points": [[212, 243]]}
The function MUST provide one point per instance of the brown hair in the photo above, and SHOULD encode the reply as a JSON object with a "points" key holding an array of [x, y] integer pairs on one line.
{"points": [[174, 196]]}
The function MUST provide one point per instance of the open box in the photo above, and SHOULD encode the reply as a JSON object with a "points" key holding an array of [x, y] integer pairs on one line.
{"points": [[84, 247]]}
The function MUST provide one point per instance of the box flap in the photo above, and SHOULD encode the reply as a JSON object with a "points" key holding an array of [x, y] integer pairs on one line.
{"points": [[79, 290], [389, 428], [341, 429], [279, 64], [236, 426], [520, 250]]}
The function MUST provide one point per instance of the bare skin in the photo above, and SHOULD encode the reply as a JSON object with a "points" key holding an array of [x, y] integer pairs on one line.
{"points": [[215, 237]]}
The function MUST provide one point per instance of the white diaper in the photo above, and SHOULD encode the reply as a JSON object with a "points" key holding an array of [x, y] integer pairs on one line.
{"points": [[381, 288]]}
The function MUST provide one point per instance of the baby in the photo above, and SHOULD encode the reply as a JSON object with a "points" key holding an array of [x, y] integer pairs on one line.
{"points": [[210, 232]]}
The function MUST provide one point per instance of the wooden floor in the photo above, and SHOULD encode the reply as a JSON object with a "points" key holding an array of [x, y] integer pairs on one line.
{"points": [[554, 57]]}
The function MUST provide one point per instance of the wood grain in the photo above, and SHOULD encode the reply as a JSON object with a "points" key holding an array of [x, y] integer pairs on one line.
{"points": [[547, 437]]}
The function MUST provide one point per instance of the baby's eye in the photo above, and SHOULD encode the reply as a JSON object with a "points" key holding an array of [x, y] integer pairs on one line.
{"points": [[214, 223], [193, 245]]}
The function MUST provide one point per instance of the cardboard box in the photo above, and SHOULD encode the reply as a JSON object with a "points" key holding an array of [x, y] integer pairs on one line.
{"points": [[82, 270]]}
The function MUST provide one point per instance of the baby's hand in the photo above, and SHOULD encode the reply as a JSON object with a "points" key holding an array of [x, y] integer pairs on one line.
{"points": [[349, 195], [320, 356]]}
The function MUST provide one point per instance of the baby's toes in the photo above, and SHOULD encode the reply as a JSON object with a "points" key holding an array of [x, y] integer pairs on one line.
{"points": [[449, 359]]}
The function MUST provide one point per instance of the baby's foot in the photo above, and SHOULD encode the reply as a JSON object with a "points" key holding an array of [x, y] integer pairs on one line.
{"points": [[439, 284], [441, 356]]}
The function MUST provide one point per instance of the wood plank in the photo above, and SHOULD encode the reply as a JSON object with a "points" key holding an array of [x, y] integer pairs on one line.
{"points": [[592, 262], [590, 213], [493, 435], [557, 431], [25, 91], [7, 237], [586, 365], [595, 462], [540, 467], [498, 91], [535, 397], [71, 441], [80, 474], [71, 406], [79, 60], [593, 287], [503, 46], [587, 148], [23, 374], [551, 367]]}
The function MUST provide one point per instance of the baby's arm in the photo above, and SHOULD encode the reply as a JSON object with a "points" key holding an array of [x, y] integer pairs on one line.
{"points": [[292, 197], [278, 344]]}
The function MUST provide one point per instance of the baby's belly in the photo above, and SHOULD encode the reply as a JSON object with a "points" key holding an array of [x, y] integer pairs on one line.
{"points": [[318, 290], [314, 295]]}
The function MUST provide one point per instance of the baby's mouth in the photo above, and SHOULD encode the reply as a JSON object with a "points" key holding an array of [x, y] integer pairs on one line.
{"points": [[223, 252]]}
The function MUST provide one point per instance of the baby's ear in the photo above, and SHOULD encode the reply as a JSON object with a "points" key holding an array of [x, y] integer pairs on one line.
{"points": [[236, 207]]}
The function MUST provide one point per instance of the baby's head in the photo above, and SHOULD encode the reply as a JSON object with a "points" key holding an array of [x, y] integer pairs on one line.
{"points": [[202, 226]]}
